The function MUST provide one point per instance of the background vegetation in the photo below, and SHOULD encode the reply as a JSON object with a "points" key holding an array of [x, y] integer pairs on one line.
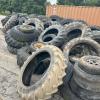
{"points": [[38, 6]]}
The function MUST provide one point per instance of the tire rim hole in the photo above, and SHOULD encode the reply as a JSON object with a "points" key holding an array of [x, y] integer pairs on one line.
{"points": [[32, 24], [47, 39], [74, 34], [36, 68]]}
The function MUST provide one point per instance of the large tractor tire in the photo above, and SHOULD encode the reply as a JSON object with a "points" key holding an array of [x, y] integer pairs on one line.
{"points": [[37, 82]]}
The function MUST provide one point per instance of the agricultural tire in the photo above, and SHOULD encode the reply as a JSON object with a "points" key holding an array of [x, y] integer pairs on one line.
{"points": [[43, 84], [54, 35]]}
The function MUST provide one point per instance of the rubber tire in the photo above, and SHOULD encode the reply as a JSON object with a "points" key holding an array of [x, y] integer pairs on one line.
{"points": [[55, 18], [74, 26], [67, 93], [12, 49], [95, 28], [83, 93], [23, 54], [56, 69], [13, 43], [39, 26], [11, 23], [43, 18], [76, 41], [95, 35], [4, 20], [58, 40], [90, 68], [82, 21], [19, 35], [66, 21], [85, 80]]}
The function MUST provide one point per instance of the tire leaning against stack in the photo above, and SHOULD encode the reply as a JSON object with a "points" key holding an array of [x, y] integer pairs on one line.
{"points": [[40, 90]]}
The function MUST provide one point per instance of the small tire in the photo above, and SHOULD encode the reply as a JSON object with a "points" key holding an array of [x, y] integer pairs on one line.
{"points": [[59, 35], [39, 90]]}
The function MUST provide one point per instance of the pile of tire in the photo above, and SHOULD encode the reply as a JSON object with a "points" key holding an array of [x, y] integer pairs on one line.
{"points": [[52, 55]]}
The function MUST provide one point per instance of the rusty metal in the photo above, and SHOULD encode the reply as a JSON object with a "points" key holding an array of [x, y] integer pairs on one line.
{"points": [[89, 14]]}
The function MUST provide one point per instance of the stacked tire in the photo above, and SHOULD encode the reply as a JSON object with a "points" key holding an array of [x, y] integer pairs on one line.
{"points": [[85, 83], [52, 55]]}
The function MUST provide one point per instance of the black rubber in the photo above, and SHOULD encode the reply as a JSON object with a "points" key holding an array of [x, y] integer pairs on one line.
{"points": [[12, 49], [14, 43], [23, 54], [24, 33], [57, 35]]}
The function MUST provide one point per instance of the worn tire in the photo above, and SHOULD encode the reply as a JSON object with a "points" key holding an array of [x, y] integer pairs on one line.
{"points": [[83, 93], [40, 89], [4, 20], [38, 24], [23, 54], [85, 80], [75, 30], [95, 35], [14, 43], [95, 28], [90, 64], [55, 18], [82, 21], [67, 93], [12, 49], [69, 46], [66, 21], [57, 40], [11, 23], [24, 33]]}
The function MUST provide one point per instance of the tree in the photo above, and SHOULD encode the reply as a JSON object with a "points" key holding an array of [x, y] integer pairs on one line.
{"points": [[27, 6]]}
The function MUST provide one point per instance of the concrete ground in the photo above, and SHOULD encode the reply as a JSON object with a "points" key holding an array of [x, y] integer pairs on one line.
{"points": [[9, 72]]}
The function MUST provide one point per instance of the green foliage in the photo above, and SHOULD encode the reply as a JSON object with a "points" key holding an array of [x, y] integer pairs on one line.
{"points": [[80, 2], [23, 6]]}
